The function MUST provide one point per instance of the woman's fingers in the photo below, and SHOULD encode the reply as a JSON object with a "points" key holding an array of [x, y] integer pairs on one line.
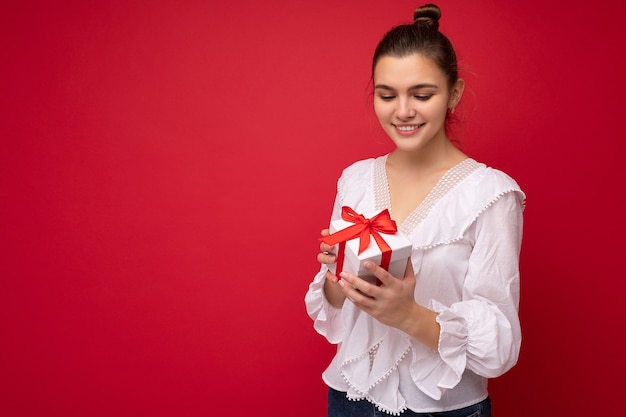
{"points": [[326, 258], [356, 289], [331, 277], [324, 247]]}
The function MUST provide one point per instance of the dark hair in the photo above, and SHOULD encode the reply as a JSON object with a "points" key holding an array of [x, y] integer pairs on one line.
{"points": [[421, 37]]}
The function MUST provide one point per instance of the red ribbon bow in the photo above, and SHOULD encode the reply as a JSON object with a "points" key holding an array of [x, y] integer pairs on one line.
{"points": [[363, 228]]}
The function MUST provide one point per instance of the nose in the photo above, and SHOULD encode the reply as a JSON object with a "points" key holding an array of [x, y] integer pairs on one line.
{"points": [[405, 111]]}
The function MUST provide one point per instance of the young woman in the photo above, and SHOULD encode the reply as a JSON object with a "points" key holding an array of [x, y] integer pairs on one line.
{"points": [[426, 342]]}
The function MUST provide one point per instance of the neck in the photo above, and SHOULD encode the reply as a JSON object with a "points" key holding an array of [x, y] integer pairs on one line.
{"points": [[440, 155]]}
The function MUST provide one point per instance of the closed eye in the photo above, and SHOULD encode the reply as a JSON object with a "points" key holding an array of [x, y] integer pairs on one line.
{"points": [[423, 97]]}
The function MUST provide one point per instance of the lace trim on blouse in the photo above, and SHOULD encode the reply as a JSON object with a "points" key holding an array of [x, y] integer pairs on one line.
{"points": [[447, 182]]}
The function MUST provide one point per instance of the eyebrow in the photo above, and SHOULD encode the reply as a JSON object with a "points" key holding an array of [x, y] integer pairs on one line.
{"points": [[415, 87]]}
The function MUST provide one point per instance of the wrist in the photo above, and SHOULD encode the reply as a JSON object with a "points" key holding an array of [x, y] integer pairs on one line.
{"points": [[421, 324]]}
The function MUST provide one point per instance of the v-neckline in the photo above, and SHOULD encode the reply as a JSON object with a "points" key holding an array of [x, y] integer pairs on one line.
{"points": [[448, 180]]}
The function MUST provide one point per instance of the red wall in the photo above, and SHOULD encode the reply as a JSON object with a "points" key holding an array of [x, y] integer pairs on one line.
{"points": [[166, 166]]}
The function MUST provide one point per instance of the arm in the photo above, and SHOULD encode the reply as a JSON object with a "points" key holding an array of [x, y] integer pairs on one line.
{"points": [[482, 331], [323, 299]]}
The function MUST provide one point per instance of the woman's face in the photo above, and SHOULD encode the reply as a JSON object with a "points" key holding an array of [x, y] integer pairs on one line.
{"points": [[411, 99]]}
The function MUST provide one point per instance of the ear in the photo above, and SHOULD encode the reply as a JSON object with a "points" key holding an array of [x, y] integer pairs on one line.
{"points": [[456, 92]]}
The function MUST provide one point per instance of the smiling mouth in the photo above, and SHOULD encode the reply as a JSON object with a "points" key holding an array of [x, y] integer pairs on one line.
{"points": [[409, 128]]}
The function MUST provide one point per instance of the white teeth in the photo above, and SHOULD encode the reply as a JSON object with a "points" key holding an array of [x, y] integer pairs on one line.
{"points": [[409, 128]]}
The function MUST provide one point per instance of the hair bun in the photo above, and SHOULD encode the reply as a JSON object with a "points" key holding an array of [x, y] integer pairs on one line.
{"points": [[428, 15]]}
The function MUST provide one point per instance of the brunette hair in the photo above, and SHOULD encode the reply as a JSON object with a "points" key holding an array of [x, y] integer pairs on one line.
{"points": [[423, 37]]}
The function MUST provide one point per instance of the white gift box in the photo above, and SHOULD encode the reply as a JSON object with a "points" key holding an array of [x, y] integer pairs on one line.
{"points": [[400, 245]]}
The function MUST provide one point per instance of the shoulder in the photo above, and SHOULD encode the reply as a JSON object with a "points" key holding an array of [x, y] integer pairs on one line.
{"points": [[488, 184], [457, 210], [354, 187], [359, 172], [359, 167]]}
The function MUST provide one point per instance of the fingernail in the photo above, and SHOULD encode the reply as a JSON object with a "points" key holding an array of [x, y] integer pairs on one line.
{"points": [[341, 283]]}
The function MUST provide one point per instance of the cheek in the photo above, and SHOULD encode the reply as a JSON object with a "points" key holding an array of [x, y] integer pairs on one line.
{"points": [[379, 110], [437, 112]]}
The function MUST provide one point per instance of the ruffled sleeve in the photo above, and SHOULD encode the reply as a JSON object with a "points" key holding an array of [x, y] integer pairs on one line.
{"points": [[327, 320], [482, 331]]}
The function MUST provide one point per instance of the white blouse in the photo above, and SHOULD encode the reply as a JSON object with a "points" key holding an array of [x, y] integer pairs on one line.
{"points": [[466, 239]]}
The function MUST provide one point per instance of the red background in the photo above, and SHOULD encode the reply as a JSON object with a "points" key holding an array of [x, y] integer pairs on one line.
{"points": [[166, 167]]}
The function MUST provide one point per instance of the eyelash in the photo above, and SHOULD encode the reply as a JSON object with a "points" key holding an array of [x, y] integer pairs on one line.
{"points": [[425, 97]]}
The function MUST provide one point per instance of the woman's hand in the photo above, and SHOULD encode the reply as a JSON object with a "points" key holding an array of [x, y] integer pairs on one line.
{"points": [[393, 302], [325, 257], [331, 288]]}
